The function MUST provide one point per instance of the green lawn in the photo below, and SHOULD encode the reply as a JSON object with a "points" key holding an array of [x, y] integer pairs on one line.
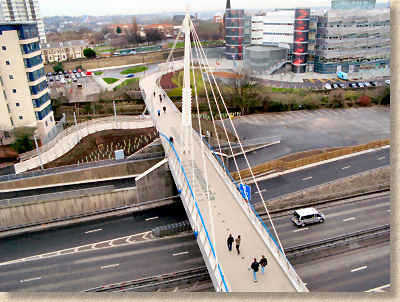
{"points": [[110, 80], [126, 82], [103, 49], [98, 73], [134, 69], [178, 45]]}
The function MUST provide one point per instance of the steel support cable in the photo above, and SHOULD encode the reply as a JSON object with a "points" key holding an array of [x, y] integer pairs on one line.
{"points": [[215, 100], [205, 63], [204, 164], [209, 103], [244, 154]]}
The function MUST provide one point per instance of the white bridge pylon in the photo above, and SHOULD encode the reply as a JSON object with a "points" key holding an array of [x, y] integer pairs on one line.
{"points": [[212, 200]]}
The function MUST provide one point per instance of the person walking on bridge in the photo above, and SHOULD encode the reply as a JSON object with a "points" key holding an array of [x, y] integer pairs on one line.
{"points": [[164, 109], [254, 266], [263, 262], [230, 241], [238, 244]]}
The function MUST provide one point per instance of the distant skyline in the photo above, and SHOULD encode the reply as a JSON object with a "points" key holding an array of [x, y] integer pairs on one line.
{"points": [[128, 7]]}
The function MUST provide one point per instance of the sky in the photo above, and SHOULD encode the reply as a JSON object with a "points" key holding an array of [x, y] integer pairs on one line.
{"points": [[133, 7]]}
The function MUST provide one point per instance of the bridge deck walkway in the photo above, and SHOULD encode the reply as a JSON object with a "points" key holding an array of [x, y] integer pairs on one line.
{"points": [[228, 217]]}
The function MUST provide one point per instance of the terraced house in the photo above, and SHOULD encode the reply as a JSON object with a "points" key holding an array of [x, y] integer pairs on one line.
{"points": [[63, 51], [24, 95]]}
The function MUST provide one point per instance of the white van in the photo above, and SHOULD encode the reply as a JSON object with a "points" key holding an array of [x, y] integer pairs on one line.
{"points": [[301, 217]]}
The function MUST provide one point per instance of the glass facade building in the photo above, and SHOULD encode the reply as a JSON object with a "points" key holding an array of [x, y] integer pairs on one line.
{"points": [[352, 40], [235, 21], [352, 4]]}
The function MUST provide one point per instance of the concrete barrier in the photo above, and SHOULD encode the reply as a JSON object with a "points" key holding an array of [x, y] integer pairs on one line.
{"points": [[117, 170], [35, 212], [374, 180]]}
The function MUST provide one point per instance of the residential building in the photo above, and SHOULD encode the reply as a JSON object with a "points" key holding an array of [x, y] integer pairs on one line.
{"points": [[350, 40], [169, 30], [64, 51], [353, 4], [24, 95], [20, 11]]}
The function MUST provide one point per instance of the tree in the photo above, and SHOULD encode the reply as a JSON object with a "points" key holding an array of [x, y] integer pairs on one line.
{"points": [[154, 35], [89, 53], [245, 93], [23, 142], [118, 30], [58, 67]]}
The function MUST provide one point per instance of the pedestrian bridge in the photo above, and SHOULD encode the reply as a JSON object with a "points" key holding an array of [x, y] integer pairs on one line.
{"points": [[219, 210]]}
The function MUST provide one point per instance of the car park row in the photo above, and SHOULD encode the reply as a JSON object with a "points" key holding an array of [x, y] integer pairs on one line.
{"points": [[67, 76], [330, 86]]}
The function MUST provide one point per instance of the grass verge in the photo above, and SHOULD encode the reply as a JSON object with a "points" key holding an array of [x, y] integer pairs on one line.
{"points": [[125, 83], [134, 69], [110, 80]]}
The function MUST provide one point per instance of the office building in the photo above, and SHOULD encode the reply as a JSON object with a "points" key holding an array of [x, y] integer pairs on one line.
{"points": [[23, 10], [353, 4], [284, 28], [352, 40], [24, 95]]}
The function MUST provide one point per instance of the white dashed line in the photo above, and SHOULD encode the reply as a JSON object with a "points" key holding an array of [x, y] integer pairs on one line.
{"points": [[349, 219], [151, 218], [299, 230], [263, 190], [381, 158], [389, 211], [378, 289], [109, 266], [358, 269], [31, 279], [181, 253], [92, 231], [307, 178], [346, 167]]}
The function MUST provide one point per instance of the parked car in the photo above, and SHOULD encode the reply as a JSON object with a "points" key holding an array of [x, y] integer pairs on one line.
{"points": [[74, 71], [60, 72], [49, 74], [328, 86], [367, 84], [63, 81], [51, 80], [65, 72], [66, 76], [78, 75], [131, 75], [70, 71], [342, 85], [361, 85], [304, 216], [54, 73], [83, 75], [335, 86], [353, 85], [74, 80], [89, 73], [387, 82]]}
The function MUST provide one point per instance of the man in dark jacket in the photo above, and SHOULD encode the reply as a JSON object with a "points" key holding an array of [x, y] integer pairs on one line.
{"points": [[254, 266], [263, 262], [230, 241]]}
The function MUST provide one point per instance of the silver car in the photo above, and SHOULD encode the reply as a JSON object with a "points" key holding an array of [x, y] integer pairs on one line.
{"points": [[304, 216]]}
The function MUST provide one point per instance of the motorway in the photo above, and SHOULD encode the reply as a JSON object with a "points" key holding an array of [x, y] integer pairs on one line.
{"points": [[292, 182], [139, 256], [270, 187]]}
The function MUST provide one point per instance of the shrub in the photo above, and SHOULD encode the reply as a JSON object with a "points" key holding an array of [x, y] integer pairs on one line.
{"points": [[364, 100]]}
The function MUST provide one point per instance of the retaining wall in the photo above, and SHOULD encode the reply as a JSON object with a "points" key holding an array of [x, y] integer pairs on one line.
{"points": [[50, 209]]}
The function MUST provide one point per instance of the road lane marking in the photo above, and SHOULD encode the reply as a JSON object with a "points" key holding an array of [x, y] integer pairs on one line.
{"points": [[307, 178], [299, 230], [381, 158], [181, 253], [151, 218], [109, 266], [31, 279], [358, 269], [73, 250], [92, 231], [349, 219], [378, 289], [346, 167]]}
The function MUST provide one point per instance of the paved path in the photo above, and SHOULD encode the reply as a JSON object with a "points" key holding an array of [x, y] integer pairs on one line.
{"points": [[228, 216]]}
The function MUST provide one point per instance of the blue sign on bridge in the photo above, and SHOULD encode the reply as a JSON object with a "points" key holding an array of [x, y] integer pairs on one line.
{"points": [[246, 191]]}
